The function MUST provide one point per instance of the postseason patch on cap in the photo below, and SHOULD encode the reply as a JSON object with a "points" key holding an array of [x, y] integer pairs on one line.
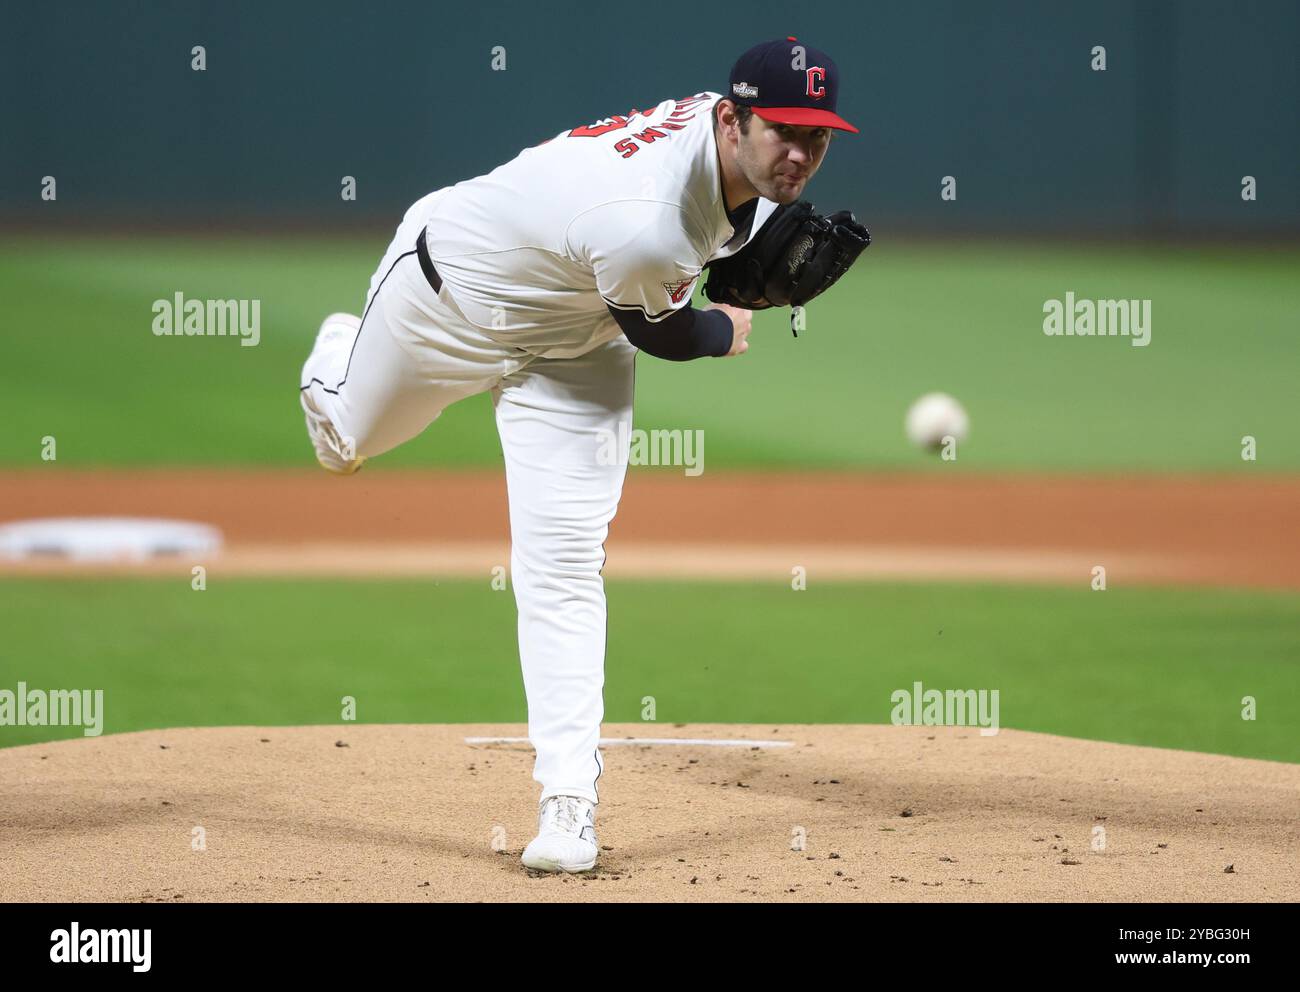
{"points": [[745, 91]]}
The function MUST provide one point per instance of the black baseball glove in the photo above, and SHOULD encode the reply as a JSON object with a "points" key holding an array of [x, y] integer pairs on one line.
{"points": [[795, 257]]}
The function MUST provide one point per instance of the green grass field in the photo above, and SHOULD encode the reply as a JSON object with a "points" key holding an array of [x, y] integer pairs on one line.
{"points": [[82, 364], [1145, 666]]}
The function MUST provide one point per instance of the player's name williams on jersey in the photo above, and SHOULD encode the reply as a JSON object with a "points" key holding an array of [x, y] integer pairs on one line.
{"points": [[683, 111], [624, 213]]}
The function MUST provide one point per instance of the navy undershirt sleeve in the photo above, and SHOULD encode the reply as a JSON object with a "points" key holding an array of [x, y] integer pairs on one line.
{"points": [[687, 334]]}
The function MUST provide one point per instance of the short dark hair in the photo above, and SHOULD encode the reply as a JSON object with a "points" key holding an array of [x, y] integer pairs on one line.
{"points": [[743, 115]]}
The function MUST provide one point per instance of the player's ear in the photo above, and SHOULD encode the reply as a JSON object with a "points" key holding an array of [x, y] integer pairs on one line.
{"points": [[726, 115]]}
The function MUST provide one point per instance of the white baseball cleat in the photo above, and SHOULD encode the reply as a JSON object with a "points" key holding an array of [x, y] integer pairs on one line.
{"points": [[336, 454], [336, 326], [566, 836]]}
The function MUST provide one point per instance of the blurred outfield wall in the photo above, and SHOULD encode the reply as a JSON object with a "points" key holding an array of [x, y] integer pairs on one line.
{"points": [[402, 96]]}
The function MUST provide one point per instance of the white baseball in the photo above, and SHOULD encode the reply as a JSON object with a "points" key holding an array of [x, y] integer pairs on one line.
{"points": [[933, 417]]}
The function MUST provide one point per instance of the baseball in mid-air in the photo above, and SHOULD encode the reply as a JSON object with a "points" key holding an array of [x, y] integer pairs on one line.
{"points": [[933, 417]]}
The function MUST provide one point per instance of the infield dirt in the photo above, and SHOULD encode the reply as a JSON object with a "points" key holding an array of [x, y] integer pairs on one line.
{"points": [[398, 813], [1219, 531]]}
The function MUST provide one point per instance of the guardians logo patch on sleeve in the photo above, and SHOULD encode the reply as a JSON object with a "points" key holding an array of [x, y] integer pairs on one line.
{"points": [[677, 290]]}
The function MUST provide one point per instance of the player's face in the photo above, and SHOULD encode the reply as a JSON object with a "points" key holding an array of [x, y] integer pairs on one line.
{"points": [[779, 159]]}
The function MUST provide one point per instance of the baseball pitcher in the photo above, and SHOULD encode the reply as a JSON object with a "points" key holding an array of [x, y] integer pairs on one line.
{"points": [[539, 283]]}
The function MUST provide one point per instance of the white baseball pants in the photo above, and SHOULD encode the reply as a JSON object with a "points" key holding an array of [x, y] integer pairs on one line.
{"points": [[414, 356]]}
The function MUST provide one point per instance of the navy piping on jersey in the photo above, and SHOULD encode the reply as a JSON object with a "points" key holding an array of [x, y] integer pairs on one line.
{"points": [[636, 306], [378, 289]]}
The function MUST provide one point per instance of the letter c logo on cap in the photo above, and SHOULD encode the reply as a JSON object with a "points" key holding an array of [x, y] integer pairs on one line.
{"points": [[816, 76]]}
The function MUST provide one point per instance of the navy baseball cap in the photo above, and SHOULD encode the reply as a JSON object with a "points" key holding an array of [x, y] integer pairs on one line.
{"points": [[789, 83]]}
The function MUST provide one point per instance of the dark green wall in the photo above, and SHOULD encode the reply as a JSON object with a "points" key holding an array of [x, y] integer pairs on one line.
{"points": [[402, 96]]}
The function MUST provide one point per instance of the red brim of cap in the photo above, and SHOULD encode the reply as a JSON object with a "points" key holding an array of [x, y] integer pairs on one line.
{"points": [[804, 117]]}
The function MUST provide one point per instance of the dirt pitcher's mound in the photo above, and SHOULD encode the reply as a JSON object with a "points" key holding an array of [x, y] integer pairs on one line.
{"points": [[846, 813]]}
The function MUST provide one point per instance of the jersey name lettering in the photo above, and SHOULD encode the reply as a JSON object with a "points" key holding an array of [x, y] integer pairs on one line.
{"points": [[683, 110]]}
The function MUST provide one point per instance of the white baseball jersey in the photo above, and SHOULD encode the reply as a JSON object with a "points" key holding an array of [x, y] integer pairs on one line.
{"points": [[624, 212]]}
